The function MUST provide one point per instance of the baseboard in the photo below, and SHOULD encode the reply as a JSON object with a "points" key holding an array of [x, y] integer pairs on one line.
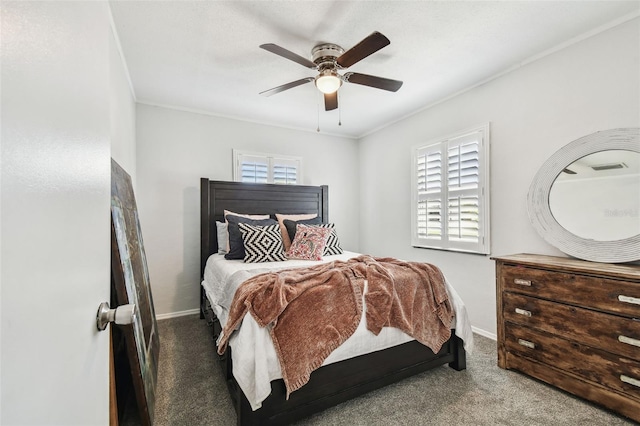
{"points": [[177, 314], [484, 333]]}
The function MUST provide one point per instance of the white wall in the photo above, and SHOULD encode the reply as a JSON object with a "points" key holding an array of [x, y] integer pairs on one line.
{"points": [[176, 148], [123, 112], [535, 110]]}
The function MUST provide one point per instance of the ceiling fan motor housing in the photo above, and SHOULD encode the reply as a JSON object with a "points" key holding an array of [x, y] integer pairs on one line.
{"points": [[325, 55]]}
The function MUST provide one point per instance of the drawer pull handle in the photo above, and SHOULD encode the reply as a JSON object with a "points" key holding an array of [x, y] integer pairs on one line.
{"points": [[629, 299], [629, 341], [630, 380], [520, 281], [532, 345], [523, 312]]}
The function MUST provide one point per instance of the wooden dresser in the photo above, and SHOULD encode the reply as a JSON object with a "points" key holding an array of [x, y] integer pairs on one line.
{"points": [[572, 324]]}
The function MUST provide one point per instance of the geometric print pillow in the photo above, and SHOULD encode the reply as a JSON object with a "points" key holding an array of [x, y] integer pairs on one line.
{"points": [[262, 243]]}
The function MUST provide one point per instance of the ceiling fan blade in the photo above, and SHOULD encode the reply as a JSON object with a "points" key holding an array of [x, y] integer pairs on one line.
{"points": [[286, 86], [366, 47], [330, 101], [373, 81], [281, 51]]}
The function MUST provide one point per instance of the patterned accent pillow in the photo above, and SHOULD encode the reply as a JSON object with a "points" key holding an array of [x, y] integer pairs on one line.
{"points": [[262, 243], [290, 225], [286, 238], [333, 244], [309, 242]]}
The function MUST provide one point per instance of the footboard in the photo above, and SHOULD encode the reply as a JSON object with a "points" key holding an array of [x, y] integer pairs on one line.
{"points": [[338, 382]]}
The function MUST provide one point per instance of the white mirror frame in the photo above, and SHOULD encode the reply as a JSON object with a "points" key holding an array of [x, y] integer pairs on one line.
{"points": [[617, 251]]}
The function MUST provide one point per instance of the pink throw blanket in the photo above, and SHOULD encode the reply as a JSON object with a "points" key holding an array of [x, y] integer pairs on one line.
{"points": [[311, 311]]}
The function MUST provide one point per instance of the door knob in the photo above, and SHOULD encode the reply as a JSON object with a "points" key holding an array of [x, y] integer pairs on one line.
{"points": [[121, 315]]}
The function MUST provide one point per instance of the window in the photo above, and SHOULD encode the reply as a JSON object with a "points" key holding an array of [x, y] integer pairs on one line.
{"points": [[266, 168], [450, 187]]}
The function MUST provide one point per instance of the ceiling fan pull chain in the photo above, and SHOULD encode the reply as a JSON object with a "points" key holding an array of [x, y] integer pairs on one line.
{"points": [[339, 110], [318, 111]]}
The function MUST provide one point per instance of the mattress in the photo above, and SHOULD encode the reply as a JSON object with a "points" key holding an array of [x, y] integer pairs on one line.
{"points": [[255, 363]]}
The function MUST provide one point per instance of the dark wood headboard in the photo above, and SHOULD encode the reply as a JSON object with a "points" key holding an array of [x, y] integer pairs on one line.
{"points": [[253, 198]]}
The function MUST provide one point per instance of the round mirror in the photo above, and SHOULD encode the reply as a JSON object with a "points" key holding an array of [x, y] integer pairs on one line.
{"points": [[597, 197], [585, 199]]}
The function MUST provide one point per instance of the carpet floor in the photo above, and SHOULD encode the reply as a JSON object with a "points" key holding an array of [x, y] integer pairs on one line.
{"points": [[191, 391]]}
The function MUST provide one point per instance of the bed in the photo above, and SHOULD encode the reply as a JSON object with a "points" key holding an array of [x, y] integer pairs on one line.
{"points": [[334, 382]]}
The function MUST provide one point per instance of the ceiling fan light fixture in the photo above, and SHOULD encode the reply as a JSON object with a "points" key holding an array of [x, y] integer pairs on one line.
{"points": [[328, 81]]}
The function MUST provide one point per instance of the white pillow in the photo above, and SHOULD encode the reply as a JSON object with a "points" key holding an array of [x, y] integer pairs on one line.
{"points": [[223, 237]]}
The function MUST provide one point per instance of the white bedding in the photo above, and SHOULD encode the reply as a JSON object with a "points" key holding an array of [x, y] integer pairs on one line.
{"points": [[255, 363]]}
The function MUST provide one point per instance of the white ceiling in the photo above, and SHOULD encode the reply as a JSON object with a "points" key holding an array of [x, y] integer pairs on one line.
{"points": [[204, 55]]}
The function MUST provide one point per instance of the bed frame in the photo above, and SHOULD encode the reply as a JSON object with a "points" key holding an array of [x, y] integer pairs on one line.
{"points": [[334, 383]]}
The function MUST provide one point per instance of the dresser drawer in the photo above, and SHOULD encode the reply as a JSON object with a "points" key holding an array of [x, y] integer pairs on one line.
{"points": [[611, 333], [614, 372], [609, 295]]}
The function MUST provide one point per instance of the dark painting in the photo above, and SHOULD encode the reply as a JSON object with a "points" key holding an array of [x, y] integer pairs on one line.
{"points": [[130, 277]]}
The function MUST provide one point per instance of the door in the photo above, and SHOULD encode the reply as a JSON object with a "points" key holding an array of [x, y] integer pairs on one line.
{"points": [[54, 212]]}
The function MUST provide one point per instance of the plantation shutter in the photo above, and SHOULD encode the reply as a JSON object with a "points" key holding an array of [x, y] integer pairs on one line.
{"points": [[462, 187], [429, 186], [285, 171], [253, 169], [450, 202], [266, 168]]}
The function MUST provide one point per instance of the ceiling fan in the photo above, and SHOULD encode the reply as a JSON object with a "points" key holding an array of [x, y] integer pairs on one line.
{"points": [[328, 59]]}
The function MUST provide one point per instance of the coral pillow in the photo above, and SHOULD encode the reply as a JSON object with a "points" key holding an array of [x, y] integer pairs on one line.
{"points": [[309, 243]]}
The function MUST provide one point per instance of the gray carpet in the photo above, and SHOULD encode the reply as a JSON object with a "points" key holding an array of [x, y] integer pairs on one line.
{"points": [[191, 391]]}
